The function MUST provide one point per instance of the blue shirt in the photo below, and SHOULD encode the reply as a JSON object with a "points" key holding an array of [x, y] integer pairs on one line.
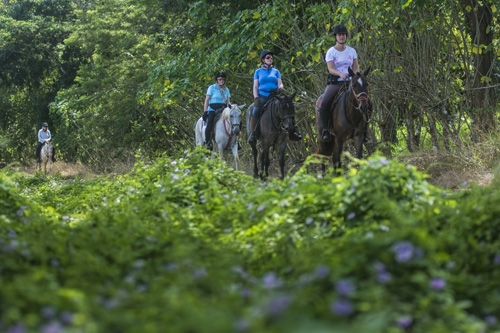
{"points": [[268, 80], [216, 97]]}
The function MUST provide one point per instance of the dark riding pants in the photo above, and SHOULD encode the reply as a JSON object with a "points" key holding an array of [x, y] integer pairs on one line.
{"points": [[38, 150], [210, 126], [331, 92], [257, 109]]}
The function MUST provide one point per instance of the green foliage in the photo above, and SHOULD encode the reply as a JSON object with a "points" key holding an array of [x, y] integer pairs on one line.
{"points": [[376, 250]]}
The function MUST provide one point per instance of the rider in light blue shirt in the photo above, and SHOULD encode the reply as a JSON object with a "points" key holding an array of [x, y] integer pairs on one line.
{"points": [[218, 97], [265, 80]]}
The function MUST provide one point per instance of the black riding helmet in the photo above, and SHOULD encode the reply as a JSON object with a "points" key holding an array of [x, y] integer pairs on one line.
{"points": [[219, 74], [264, 53], [45, 125], [340, 29]]}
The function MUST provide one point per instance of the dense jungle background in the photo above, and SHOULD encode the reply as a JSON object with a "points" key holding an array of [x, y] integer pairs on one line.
{"points": [[117, 77]]}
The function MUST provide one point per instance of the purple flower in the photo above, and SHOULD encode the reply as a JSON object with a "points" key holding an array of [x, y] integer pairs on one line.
{"points": [[344, 287], [403, 250], [384, 277], [379, 267], [491, 320], [351, 216], [52, 327], [497, 259], [242, 325], [66, 317], [261, 208], [271, 281], [199, 272], [321, 271], [384, 161], [437, 283], [405, 321], [278, 305], [245, 293], [48, 312], [309, 221], [16, 329], [342, 307]]}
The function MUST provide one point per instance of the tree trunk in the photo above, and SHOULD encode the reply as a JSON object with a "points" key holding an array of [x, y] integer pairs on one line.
{"points": [[479, 17]]}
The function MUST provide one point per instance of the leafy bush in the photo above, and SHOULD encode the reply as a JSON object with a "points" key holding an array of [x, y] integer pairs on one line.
{"points": [[189, 244]]}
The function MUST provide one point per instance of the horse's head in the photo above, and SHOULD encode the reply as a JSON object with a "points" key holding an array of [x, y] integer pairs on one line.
{"points": [[286, 111], [359, 87], [235, 117]]}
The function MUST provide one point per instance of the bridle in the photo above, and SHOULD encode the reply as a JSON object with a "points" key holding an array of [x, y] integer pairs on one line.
{"points": [[360, 98], [277, 118], [231, 131]]}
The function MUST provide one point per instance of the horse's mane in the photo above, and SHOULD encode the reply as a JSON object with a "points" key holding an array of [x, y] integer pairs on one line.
{"points": [[226, 112]]}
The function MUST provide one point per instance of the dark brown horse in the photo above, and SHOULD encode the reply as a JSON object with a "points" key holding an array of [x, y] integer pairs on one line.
{"points": [[349, 116], [275, 123]]}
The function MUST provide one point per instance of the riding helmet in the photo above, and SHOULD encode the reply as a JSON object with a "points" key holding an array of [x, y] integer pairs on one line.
{"points": [[339, 29], [264, 53], [219, 74], [45, 125]]}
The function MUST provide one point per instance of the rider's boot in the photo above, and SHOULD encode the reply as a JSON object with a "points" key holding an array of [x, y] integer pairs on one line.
{"points": [[209, 144], [324, 118], [253, 127]]}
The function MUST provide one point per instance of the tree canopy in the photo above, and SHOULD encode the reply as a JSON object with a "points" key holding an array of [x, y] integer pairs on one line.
{"points": [[114, 77]]}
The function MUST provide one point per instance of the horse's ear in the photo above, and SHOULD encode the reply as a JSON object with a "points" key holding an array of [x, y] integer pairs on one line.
{"points": [[351, 72], [241, 106], [365, 73]]}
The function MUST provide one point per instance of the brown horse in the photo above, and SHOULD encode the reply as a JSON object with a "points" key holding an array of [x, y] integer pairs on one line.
{"points": [[274, 124], [349, 116]]}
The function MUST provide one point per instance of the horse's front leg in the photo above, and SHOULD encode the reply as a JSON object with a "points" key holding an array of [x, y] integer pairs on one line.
{"points": [[337, 152], [265, 163], [234, 148], [359, 138], [254, 154], [282, 158]]}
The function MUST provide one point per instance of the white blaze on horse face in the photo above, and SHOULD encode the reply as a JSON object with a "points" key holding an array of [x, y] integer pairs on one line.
{"points": [[360, 82]]}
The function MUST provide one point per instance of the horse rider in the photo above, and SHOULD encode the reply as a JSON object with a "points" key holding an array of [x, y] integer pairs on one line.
{"points": [[218, 97], [338, 60], [44, 137], [266, 79]]}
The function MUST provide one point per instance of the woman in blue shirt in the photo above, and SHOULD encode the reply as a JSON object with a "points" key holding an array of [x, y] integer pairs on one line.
{"points": [[266, 79], [218, 97]]}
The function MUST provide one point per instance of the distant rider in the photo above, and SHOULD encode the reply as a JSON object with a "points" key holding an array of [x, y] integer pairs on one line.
{"points": [[44, 137]]}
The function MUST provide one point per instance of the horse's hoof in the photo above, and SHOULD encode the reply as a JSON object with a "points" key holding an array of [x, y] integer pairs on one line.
{"points": [[294, 135]]}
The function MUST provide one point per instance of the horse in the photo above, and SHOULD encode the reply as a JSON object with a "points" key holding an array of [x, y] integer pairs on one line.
{"points": [[274, 124], [46, 157], [349, 116], [226, 131]]}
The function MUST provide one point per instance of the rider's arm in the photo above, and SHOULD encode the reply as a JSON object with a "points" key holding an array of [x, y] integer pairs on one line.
{"points": [[333, 71], [205, 106], [355, 67], [280, 84], [255, 88]]}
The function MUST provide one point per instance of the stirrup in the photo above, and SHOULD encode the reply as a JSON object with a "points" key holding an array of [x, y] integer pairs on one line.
{"points": [[326, 136]]}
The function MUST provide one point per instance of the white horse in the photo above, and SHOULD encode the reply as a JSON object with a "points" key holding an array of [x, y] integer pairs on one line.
{"points": [[46, 157], [226, 128]]}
